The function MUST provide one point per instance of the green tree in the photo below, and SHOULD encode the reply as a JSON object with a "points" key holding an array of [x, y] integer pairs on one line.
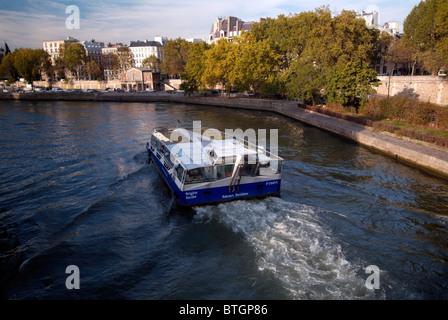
{"points": [[305, 81], [175, 56], [426, 32], [59, 68], [7, 68], [399, 54], [442, 32], [124, 59], [31, 63], [220, 65], [351, 84], [256, 64], [94, 70], [195, 68], [311, 44], [75, 57], [152, 62]]}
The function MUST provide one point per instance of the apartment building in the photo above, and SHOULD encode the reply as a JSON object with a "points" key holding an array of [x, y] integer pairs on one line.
{"points": [[143, 49], [52, 47], [228, 28], [94, 51], [109, 52]]}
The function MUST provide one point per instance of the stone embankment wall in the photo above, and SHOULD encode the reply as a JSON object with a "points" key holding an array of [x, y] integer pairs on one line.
{"points": [[99, 85], [433, 89], [82, 84], [429, 158]]}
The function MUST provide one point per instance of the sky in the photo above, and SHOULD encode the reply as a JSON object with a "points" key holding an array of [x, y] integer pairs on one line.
{"points": [[26, 23]]}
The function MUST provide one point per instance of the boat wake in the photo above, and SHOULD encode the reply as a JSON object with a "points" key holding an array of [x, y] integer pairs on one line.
{"points": [[293, 245]]}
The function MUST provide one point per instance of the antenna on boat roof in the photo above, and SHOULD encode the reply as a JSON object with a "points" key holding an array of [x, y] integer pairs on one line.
{"points": [[178, 122]]}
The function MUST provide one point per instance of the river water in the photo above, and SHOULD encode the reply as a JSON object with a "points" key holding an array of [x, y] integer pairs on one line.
{"points": [[76, 188]]}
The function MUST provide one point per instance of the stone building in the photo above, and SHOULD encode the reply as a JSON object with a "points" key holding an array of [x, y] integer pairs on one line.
{"points": [[140, 79]]}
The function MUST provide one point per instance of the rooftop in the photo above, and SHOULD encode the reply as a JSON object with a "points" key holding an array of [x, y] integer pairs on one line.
{"points": [[145, 43]]}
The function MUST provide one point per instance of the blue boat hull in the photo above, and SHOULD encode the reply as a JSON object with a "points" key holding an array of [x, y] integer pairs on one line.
{"points": [[216, 194]]}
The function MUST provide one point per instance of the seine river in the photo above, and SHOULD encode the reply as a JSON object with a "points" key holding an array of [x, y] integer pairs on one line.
{"points": [[76, 189]]}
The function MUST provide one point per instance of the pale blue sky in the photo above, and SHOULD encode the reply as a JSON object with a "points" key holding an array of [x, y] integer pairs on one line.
{"points": [[26, 23]]}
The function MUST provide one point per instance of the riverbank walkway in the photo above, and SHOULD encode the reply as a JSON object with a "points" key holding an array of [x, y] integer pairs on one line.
{"points": [[423, 155]]}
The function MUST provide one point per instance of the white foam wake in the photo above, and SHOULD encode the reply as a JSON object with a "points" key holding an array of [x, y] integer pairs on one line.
{"points": [[291, 243]]}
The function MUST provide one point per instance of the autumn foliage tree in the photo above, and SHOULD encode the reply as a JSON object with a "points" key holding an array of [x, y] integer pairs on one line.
{"points": [[74, 57], [426, 33], [152, 62], [31, 63], [175, 56], [291, 55], [351, 84], [195, 68]]}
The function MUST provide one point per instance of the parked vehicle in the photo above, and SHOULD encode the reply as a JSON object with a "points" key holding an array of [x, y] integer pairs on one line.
{"points": [[56, 89]]}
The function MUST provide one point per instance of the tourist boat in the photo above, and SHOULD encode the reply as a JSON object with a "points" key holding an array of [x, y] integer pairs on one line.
{"points": [[202, 170]]}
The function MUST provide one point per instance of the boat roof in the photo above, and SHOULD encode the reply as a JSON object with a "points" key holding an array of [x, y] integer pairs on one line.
{"points": [[196, 150]]}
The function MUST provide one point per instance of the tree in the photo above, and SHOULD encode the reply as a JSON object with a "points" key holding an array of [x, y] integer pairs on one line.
{"points": [[59, 68], [442, 31], [256, 64], [195, 68], [399, 54], [220, 65], [94, 70], [124, 59], [311, 44], [30, 63], [175, 56], [7, 68], [426, 32], [74, 56], [351, 84], [305, 81], [152, 62]]}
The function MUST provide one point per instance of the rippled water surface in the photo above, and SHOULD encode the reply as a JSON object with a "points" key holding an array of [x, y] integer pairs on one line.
{"points": [[76, 188]]}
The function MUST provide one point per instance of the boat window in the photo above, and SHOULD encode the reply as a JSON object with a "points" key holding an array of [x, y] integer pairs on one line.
{"points": [[194, 176], [224, 171], [166, 154], [199, 175], [251, 170], [153, 140], [180, 173], [159, 146]]}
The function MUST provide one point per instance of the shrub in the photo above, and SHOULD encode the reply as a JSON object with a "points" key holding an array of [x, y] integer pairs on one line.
{"points": [[408, 108], [441, 114]]}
